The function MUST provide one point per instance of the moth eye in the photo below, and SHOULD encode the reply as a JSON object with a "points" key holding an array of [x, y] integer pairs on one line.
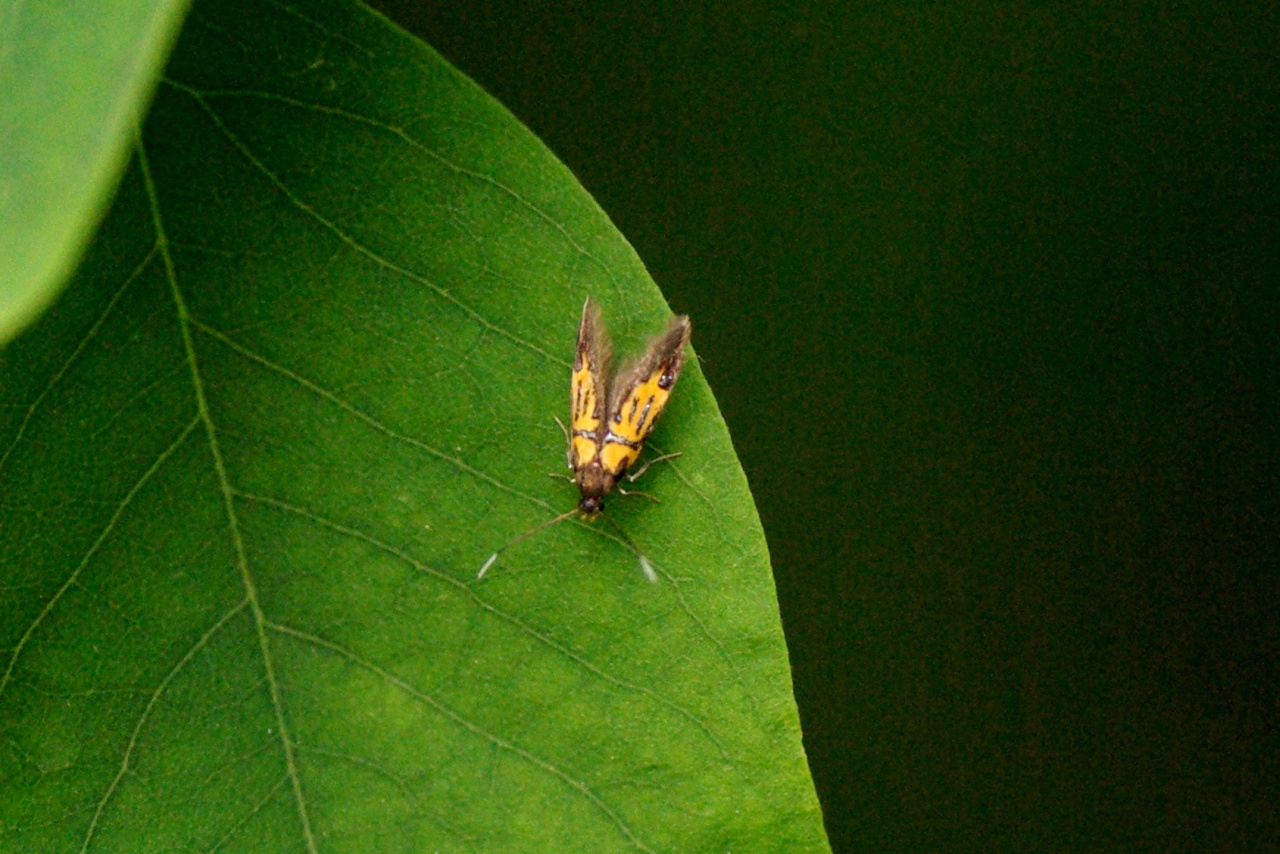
{"points": [[667, 381]]}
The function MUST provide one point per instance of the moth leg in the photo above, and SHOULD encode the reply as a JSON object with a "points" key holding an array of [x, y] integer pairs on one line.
{"points": [[644, 468], [559, 476], [568, 443], [652, 498]]}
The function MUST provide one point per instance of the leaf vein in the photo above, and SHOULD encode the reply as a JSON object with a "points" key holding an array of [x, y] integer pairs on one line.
{"points": [[16, 652], [349, 240], [253, 810], [403, 135], [220, 469], [496, 740], [75, 354], [294, 13], [400, 783], [146, 713], [355, 411], [479, 602]]}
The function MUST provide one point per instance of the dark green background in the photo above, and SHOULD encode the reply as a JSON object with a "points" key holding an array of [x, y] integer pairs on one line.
{"points": [[988, 295]]}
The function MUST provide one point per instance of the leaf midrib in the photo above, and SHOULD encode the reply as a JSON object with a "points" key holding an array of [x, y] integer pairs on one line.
{"points": [[228, 497]]}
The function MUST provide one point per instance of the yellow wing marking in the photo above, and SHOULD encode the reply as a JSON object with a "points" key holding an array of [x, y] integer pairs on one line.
{"points": [[587, 388], [632, 423], [585, 418], [640, 396]]}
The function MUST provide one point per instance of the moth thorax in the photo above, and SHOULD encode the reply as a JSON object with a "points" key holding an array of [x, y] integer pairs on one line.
{"points": [[594, 483]]}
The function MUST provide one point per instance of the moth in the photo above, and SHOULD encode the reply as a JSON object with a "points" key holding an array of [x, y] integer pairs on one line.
{"points": [[611, 415]]}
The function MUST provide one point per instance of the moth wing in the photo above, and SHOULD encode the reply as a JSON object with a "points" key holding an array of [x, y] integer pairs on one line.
{"points": [[588, 387], [640, 394]]}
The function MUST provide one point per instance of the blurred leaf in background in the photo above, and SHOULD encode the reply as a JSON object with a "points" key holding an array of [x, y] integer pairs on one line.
{"points": [[301, 386], [75, 77]]}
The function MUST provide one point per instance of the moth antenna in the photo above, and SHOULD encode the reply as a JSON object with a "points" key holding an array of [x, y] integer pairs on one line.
{"points": [[568, 444], [646, 566], [526, 535]]}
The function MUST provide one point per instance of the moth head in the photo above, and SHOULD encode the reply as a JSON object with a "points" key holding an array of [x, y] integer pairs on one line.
{"points": [[594, 483]]}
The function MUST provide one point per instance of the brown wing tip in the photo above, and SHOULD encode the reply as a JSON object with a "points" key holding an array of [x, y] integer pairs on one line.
{"points": [[590, 315], [665, 350], [592, 337], [682, 323], [674, 338]]}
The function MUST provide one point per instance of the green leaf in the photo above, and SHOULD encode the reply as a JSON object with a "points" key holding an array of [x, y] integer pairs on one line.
{"points": [[75, 76], [303, 384]]}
